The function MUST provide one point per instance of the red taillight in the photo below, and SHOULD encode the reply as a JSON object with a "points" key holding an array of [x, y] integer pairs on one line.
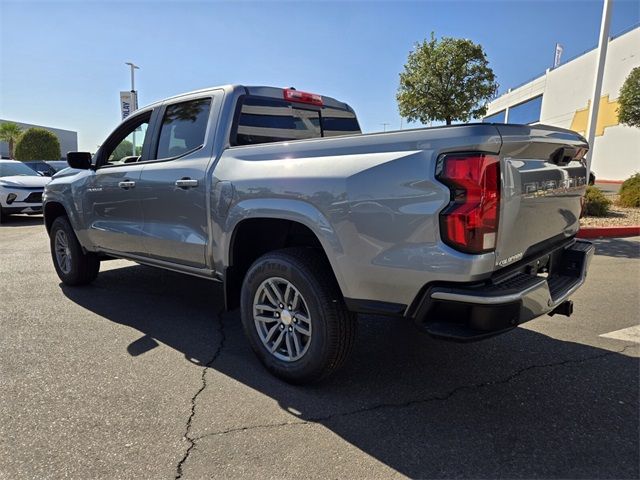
{"points": [[470, 222], [302, 97]]}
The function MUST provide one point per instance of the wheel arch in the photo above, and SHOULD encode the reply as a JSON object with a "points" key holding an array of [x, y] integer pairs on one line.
{"points": [[56, 207], [257, 232], [51, 211]]}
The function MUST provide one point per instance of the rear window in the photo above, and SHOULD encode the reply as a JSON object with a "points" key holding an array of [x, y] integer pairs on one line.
{"points": [[183, 128], [264, 120], [338, 122]]}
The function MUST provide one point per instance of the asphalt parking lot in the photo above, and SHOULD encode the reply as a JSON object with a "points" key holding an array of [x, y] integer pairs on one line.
{"points": [[140, 375]]}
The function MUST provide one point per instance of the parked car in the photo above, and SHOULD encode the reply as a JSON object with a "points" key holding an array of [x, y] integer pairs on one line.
{"points": [[20, 189], [47, 168], [469, 230]]}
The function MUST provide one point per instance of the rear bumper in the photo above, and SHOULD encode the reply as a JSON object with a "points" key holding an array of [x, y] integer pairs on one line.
{"points": [[473, 312]]}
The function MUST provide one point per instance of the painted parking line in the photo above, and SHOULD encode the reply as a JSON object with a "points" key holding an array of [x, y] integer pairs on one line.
{"points": [[631, 334]]}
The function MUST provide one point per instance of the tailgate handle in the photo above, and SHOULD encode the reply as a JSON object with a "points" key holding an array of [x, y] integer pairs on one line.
{"points": [[563, 155]]}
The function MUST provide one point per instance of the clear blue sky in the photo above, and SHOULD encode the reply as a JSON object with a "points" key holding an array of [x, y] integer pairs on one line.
{"points": [[62, 63]]}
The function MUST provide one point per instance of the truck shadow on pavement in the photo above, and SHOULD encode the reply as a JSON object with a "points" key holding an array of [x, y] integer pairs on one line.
{"points": [[519, 405], [617, 247], [23, 221]]}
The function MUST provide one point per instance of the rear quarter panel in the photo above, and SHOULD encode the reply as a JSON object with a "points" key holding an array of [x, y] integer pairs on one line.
{"points": [[372, 200]]}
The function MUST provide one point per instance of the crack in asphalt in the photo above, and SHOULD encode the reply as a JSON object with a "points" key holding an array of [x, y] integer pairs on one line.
{"points": [[194, 398], [435, 398]]}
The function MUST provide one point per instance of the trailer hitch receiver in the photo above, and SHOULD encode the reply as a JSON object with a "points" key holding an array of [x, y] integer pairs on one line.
{"points": [[565, 308]]}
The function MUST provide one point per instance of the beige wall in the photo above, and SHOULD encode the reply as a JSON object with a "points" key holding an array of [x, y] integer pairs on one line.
{"points": [[566, 93]]}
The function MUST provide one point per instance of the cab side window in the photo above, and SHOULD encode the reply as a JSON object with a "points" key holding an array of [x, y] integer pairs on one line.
{"points": [[183, 128], [126, 145]]}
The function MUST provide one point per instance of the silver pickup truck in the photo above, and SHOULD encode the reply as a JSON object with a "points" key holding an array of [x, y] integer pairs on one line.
{"points": [[469, 230]]}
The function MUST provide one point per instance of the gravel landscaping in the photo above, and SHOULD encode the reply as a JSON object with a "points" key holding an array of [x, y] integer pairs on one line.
{"points": [[617, 217]]}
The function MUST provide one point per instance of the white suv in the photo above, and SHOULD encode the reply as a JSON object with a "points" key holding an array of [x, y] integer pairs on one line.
{"points": [[20, 189]]}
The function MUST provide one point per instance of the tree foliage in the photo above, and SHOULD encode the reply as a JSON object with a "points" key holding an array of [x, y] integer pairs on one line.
{"points": [[124, 149], [10, 132], [445, 80], [629, 100], [38, 144]]}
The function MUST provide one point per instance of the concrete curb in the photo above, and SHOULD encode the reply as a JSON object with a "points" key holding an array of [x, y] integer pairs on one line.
{"points": [[617, 182], [608, 232]]}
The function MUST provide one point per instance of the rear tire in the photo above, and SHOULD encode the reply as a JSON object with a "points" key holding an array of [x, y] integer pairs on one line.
{"points": [[291, 296], [72, 264]]}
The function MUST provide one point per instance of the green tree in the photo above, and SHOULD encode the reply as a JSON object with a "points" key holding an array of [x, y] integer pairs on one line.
{"points": [[629, 100], [445, 80], [10, 132], [124, 149], [38, 144]]}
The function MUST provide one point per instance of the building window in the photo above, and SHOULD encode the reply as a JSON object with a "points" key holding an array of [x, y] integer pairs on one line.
{"points": [[496, 117], [526, 112]]}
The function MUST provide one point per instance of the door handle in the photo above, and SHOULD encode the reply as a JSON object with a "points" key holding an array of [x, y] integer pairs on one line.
{"points": [[126, 184], [186, 183]]}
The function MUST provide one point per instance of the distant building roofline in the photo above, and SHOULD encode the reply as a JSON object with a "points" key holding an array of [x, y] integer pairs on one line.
{"points": [[32, 125], [540, 75]]}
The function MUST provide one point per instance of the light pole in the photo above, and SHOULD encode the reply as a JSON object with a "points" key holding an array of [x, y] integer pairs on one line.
{"points": [[133, 79], [134, 98], [384, 126], [603, 43]]}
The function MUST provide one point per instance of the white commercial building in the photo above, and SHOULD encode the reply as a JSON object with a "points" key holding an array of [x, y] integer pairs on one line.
{"points": [[561, 97]]}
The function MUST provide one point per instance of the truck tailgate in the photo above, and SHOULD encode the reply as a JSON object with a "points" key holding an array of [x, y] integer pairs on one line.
{"points": [[541, 189]]}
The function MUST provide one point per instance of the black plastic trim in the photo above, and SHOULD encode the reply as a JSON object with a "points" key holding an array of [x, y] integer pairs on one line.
{"points": [[444, 312], [375, 307]]}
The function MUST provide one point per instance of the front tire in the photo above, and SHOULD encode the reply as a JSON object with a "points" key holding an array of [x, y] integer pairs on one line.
{"points": [[295, 317], [72, 264], [3, 216]]}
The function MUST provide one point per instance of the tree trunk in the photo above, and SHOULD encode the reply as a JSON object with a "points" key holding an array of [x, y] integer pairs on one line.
{"points": [[11, 149], [448, 121]]}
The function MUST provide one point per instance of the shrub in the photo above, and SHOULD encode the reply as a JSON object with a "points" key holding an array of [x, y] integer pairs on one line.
{"points": [[630, 191], [596, 204], [37, 144]]}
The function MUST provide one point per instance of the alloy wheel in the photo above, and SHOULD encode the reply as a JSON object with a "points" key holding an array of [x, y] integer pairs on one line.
{"points": [[282, 319], [63, 252]]}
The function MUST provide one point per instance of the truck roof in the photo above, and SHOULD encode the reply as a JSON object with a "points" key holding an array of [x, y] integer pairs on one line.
{"points": [[257, 90]]}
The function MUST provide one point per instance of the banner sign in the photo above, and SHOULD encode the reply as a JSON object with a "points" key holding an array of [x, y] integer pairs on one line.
{"points": [[556, 59], [128, 103]]}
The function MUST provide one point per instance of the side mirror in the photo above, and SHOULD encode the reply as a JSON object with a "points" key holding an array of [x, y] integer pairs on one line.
{"points": [[80, 160]]}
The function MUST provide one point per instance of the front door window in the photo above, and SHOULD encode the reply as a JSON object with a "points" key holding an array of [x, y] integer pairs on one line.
{"points": [[127, 146]]}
